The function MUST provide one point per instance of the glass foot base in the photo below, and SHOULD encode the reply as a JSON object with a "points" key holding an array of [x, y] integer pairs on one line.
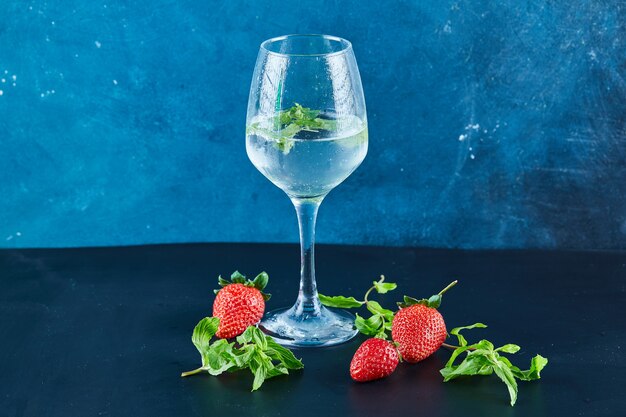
{"points": [[330, 327]]}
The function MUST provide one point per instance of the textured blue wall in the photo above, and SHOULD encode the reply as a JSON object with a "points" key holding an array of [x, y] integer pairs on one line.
{"points": [[492, 123]]}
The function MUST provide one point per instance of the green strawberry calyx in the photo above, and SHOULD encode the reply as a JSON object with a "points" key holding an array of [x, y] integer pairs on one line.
{"points": [[259, 282], [433, 302]]}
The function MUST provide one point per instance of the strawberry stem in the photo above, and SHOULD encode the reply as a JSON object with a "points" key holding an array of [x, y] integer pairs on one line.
{"points": [[189, 373], [452, 284]]}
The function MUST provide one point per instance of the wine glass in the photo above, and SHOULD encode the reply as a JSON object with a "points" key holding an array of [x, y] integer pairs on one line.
{"points": [[306, 131]]}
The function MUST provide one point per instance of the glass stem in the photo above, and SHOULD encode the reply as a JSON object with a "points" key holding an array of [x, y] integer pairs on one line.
{"points": [[308, 303]]}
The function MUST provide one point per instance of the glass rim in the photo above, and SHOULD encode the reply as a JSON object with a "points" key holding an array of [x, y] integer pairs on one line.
{"points": [[346, 45]]}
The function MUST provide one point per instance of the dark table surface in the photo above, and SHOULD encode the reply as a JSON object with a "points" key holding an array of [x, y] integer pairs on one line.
{"points": [[106, 331]]}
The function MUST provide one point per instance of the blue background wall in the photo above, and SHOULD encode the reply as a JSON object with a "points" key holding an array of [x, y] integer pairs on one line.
{"points": [[493, 123]]}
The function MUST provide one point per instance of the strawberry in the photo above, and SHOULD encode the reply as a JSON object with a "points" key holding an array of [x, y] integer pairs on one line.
{"points": [[374, 359], [239, 304], [419, 331], [418, 328]]}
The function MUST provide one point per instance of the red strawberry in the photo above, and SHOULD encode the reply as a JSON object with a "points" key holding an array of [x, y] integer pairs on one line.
{"points": [[239, 304], [418, 327], [374, 359]]}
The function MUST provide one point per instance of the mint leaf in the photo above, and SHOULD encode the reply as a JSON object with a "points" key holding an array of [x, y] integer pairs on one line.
{"points": [[534, 372], [375, 308], [302, 115], [536, 366], [456, 332], [284, 355], [339, 301], [259, 368], [246, 336], [220, 357], [277, 370], [470, 366], [509, 348], [243, 356], [384, 287], [449, 365], [284, 118], [202, 334], [258, 338], [505, 374], [370, 326], [328, 124], [217, 357], [267, 358], [483, 346]]}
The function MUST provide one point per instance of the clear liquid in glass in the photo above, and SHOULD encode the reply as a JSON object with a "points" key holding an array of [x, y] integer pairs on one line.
{"points": [[312, 162]]}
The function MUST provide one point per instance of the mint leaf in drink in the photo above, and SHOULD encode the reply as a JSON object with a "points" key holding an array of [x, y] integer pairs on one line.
{"points": [[284, 141], [330, 125], [302, 116], [483, 359], [255, 351], [288, 123]]}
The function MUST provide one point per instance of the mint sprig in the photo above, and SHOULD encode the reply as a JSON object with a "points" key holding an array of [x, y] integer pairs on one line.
{"points": [[288, 123], [379, 323], [253, 350], [483, 359], [305, 118]]}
